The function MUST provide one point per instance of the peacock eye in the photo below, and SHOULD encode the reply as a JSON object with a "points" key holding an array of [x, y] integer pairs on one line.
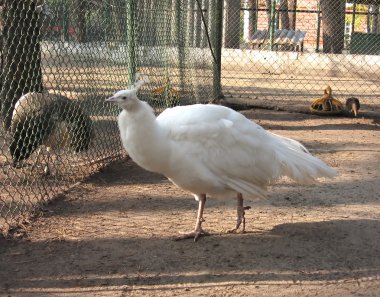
{"points": [[124, 97]]}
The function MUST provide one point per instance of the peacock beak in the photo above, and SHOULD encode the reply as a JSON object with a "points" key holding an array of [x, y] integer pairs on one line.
{"points": [[112, 99]]}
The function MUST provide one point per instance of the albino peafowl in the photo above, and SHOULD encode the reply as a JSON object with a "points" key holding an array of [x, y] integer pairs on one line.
{"points": [[211, 150], [50, 120]]}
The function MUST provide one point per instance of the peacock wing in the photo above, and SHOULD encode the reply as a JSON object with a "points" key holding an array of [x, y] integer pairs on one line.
{"points": [[224, 146]]}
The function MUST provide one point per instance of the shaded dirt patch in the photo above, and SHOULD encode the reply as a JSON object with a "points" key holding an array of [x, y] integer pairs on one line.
{"points": [[112, 234]]}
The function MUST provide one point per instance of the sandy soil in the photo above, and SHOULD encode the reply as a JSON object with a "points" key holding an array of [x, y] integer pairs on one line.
{"points": [[112, 234]]}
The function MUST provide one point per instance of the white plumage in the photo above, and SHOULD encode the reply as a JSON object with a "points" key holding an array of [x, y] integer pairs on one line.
{"points": [[212, 150]]}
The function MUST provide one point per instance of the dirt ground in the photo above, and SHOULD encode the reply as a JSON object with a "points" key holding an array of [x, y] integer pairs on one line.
{"points": [[112, 234]]}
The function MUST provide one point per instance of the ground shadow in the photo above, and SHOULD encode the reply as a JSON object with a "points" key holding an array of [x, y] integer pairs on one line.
{"points": [[323, 251]]}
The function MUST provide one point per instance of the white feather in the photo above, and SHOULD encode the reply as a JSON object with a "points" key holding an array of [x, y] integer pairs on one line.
{"points": [[213, 150]]}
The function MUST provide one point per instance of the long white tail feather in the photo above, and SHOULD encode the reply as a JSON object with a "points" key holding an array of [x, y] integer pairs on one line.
{"points": [[299, 164], [248, 189]]}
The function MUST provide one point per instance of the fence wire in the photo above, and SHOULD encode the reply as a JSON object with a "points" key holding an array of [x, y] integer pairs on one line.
{"points": [[284, 53], [60, 59]]}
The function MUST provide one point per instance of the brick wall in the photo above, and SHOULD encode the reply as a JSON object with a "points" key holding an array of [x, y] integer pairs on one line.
{"points": [[307, 21]]}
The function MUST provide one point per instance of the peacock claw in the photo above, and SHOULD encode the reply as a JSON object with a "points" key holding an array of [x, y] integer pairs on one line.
{"points": [[236, 229], [240, 220], [194, 234]]}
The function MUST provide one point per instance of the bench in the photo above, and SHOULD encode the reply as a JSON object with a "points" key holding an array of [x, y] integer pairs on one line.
{"points": [[283, 39]]}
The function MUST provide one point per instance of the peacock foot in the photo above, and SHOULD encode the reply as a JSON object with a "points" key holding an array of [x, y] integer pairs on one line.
{"points": [[240, 220], [194, 234]]}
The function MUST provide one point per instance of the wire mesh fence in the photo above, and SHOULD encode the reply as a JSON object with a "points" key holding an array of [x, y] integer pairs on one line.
{"points": [[284, 53], [59, 60]]}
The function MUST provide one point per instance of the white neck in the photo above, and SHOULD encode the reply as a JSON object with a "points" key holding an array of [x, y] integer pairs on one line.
{"points": [[144, 140]]}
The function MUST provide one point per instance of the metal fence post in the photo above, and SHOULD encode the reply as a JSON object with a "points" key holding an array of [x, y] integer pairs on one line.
{"points": [[353, 17], [131, 40], [180, 41], [272, 23], [65, 23], [217, 33], [318, 27]]}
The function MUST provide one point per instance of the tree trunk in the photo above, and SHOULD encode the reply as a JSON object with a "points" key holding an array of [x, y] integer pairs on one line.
{"points": [[252, 19], [284, 15], [198, 25], [118, 17], [150, 35], [205, 9], [268, 5], [333, 20], [375, 18], [232, 36], [216, 39], [21, 54], [81, 20], [293, 14]]}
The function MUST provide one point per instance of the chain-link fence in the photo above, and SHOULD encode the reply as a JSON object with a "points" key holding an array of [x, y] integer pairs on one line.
{"points": [[60, 59], [283, 53]]}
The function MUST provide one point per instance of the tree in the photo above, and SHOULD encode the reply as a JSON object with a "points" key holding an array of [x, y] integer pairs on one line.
{"points": [[269, 5], [21, 54], [197, 24], [252, 25], [81, 20], [284, 15], [232, 35], [333, 21], [293, 14], [374, 26]]}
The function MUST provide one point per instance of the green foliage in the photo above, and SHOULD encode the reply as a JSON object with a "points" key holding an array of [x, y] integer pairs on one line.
{"points": [[360, 19]]}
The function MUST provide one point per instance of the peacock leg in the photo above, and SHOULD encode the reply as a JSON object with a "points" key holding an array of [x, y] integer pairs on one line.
{"points": [[47, 169], [37, 160], [240, 215], [198, 225]]}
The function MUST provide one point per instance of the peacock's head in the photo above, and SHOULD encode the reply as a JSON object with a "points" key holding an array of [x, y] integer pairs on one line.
{"points": [[126, 99]]}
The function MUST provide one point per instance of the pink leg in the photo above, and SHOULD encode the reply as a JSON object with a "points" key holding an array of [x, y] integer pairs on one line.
{"points": [[198, 225], [240, 214]]}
